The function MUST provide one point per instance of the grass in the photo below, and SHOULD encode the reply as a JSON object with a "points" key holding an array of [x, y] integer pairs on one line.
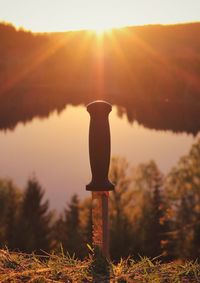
{"points": [[18, 267]]}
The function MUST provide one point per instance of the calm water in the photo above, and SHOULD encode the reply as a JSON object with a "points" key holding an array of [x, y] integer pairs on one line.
{"points": [[55, 149]]}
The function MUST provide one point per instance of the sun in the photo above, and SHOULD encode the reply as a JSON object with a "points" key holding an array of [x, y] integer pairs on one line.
{"points": [[101, 29]]}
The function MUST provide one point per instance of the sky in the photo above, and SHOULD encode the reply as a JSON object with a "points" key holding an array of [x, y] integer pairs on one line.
{"points": [[61, 15]]}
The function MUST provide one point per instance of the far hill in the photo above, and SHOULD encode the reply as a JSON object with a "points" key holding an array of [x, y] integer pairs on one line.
{"points": [[152, 73]]}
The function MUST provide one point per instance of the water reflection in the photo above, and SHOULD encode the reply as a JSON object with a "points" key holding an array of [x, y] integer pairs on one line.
{"points": [[55, 149], [160, 115]]}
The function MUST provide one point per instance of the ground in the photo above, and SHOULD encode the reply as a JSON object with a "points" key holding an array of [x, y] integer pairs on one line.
{"points": [[18, 267]]}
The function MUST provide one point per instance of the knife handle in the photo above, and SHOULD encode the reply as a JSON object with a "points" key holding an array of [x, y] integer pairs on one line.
{"points": [[99, 146]]}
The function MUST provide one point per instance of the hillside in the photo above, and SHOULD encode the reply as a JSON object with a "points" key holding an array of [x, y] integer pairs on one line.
{"points": [[151, 73]]}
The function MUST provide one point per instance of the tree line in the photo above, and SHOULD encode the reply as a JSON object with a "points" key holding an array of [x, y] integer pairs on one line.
{"points": [[150, 214]]}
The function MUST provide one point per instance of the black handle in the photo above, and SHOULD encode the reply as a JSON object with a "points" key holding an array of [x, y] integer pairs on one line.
{"points": [[99, 146]]}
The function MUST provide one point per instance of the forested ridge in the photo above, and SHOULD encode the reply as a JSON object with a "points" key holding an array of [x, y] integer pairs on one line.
{"points": [[150, 72]]}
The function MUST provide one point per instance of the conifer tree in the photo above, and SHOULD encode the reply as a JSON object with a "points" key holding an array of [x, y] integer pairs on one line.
{"points": [[184, 227], [73, 241], [9, 204], [34, 220], [11, 219], [151, 228]]}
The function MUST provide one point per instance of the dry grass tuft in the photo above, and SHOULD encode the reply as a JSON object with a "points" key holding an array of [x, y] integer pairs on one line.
{"points": [[18, 267]]}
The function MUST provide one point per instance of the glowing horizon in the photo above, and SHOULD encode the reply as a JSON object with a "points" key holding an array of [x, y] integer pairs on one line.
{"points": [[48, 16]]}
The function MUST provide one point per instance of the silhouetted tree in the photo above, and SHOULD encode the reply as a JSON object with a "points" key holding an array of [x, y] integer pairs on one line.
{"points": [[151, 228], [11, 217], [34, 220], [58, 234], [9, 206], [71, 236], [184, 226]]}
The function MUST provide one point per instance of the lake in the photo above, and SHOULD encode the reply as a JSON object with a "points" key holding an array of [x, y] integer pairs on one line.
{"points": [[55, 150]]}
